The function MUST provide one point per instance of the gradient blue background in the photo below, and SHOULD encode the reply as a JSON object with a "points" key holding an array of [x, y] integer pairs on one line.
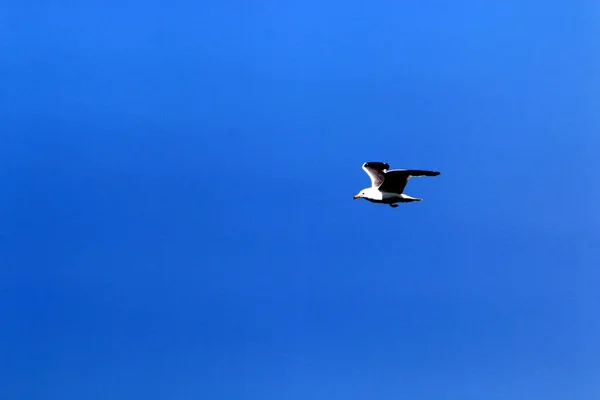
{"points": [[177, 218]]}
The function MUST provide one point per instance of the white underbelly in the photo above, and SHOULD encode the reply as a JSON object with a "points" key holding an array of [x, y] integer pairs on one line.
{"points": [[391, 197]]}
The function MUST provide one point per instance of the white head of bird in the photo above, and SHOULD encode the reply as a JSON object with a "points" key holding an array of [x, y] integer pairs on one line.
{"points": [[369, 194]]}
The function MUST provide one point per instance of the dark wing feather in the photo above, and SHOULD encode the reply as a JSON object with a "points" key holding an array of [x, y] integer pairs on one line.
{"points": [[420, 172], [376, 171], [395, 180]]}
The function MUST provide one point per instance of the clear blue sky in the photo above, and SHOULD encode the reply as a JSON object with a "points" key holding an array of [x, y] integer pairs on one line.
{"points": [[177, 218]]}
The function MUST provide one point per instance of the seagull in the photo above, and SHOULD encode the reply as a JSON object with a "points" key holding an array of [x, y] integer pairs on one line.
{"points": [[387, 185]]}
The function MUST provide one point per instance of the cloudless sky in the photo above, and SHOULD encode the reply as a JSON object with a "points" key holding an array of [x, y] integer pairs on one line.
{"points": [[177, 222]]}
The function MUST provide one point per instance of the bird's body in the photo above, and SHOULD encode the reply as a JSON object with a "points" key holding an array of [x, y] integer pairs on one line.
{"points": [[387, 186]]}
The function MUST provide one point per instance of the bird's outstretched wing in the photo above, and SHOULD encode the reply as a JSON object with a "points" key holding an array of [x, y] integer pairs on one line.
{"points": [[376, 171], [395, 180]]}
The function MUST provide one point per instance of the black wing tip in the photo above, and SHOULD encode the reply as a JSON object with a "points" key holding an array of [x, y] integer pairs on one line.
{"points": [[428, 173], [376, 165]]}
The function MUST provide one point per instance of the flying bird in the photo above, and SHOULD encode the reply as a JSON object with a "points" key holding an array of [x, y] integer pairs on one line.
{"points": [[387, 185]]}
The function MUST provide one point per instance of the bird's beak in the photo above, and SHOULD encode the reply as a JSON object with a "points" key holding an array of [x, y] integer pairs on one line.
{"points": [[356, 197]]}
